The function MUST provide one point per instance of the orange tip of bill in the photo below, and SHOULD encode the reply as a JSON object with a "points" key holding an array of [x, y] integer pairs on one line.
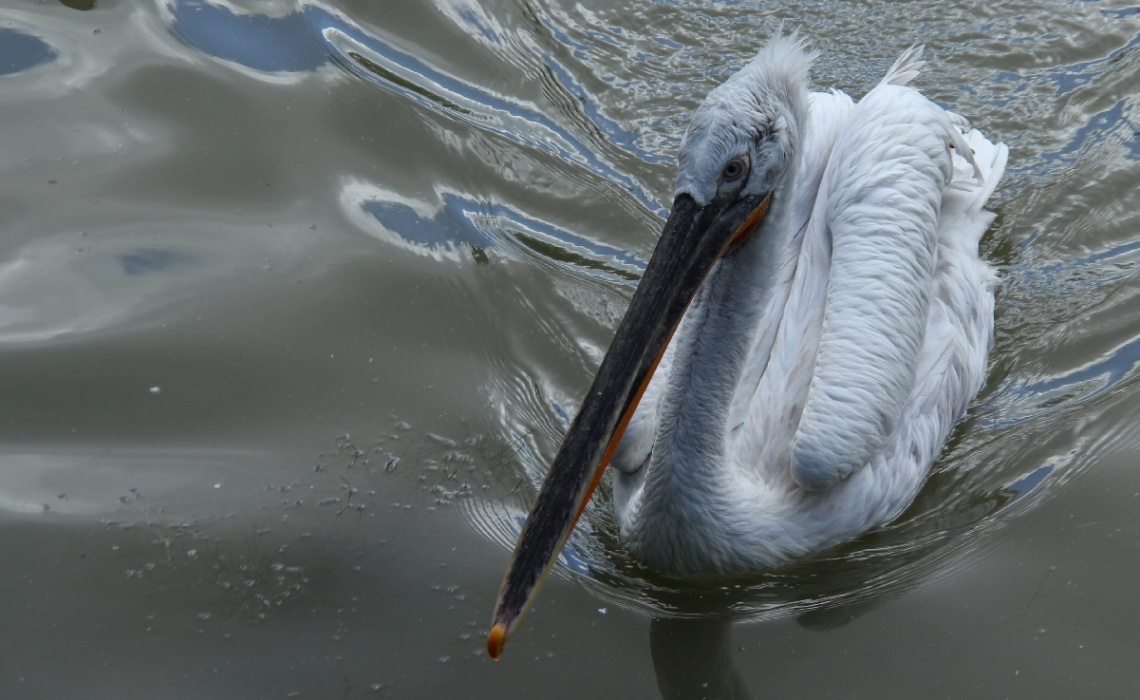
{"points": [[495, 640]]}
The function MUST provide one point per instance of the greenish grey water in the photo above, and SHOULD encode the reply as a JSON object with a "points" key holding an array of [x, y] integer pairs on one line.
{"points": [[296, 300]]}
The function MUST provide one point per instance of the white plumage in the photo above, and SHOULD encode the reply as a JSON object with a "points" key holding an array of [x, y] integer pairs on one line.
{"points": [[821, 366], [813, 322]]}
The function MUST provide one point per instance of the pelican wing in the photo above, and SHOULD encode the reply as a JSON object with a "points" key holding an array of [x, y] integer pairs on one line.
{"points": [[880, 198]]}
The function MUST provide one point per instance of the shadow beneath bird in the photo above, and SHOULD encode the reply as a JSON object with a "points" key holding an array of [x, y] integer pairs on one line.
{"points": [[692, 659]]}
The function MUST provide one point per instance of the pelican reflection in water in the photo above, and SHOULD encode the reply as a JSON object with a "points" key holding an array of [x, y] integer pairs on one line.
{"points": [[814, 320]]}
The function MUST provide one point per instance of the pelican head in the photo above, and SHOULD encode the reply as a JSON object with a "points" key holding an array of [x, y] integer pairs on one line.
{"points": [[742, 140], [736, 157]]}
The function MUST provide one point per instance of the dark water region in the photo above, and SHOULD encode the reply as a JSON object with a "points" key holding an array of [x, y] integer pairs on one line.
{"points": [[297, 300]]}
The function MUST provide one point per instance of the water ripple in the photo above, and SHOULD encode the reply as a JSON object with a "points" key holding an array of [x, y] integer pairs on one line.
{"points": [[383, 64]]}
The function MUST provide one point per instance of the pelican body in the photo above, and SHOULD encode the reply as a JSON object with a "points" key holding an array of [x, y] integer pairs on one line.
{"points": [[813, 322]]}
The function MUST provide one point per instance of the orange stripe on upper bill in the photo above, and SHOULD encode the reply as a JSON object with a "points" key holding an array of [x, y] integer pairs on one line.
{"points": [[749, 224]]}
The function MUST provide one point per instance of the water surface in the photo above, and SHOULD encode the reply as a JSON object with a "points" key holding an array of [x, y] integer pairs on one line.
{"points": [[297, 300]]}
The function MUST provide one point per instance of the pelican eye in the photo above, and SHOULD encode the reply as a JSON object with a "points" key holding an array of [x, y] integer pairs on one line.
{"points": [[734, 170]]}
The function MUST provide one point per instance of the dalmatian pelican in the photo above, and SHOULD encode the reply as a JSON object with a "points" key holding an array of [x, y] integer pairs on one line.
{"points": [[814, 320]]}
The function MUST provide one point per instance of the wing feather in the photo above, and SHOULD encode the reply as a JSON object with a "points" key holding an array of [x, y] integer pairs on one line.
{"points": [[885, 185]]}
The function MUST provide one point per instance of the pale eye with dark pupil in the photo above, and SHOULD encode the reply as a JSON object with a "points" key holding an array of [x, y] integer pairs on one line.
{"points": [[733, 170]]}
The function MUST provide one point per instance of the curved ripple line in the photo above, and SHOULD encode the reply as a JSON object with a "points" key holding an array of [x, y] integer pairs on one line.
{"points": [[539, 237], [407, 76], [1076, 386], [540, 63], [468, 221]]}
